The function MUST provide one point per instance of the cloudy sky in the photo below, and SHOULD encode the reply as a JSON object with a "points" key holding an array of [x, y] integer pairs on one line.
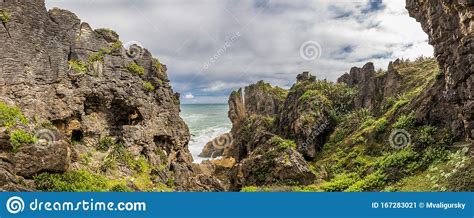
{"points": [[212, 47]]}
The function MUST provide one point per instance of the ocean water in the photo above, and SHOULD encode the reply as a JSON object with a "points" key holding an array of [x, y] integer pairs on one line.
{"points": [[205, 123]]}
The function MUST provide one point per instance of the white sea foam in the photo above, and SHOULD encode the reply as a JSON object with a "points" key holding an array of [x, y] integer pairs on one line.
{"points": [[205, 123], [199, 140]]}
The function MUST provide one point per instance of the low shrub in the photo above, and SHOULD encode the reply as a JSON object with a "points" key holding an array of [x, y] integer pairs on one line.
{"points": [[11, 116], [426, 136], [116, 46], [73, 181], [4, 16], [282, 143], [148, 86], [19, 137], [78, 66], [98, 56], [404, 122], [308, 188], [105, 143], [372, 182], [121, 188], [340, 183], [401, 163], [135, 69], [250, 189], [157, 65], [381, 125]]}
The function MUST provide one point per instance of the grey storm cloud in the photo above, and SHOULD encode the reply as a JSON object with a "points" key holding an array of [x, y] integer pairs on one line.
{"points": [[212, 47]]}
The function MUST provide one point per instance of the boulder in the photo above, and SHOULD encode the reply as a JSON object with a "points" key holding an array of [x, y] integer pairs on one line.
{"points": [[35, 158], [215, 148], [271, 164]]}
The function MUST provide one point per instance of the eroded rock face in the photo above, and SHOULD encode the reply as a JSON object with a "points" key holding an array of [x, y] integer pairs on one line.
{"points": [[372, 88], [252, 112], [270, 165], [450, 27], [260, 98], [58, 69], [306, 114]]}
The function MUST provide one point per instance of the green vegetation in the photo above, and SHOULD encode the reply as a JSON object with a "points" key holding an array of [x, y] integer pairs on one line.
{"points": [[73, 181], [337, 96], [11, 116], [249, 189], [417, 75], [308, 188], [107, 31], [275, 91], [282, 143], [134, 68], [120, 188], [404, 122], [157, 65], [19, 137], [78, 66], [372, 182], [358, 157], [340, 182], [148, 86], [4, 16], [98, 56], [116, 46], [451, 172], [142, 176], [315, 95], [105, 143]]}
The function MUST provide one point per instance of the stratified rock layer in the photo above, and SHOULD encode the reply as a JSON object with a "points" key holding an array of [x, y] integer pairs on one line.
{"points": [[450, 27], [39, 58]]}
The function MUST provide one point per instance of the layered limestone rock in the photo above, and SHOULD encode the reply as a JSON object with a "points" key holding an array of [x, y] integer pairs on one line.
{"points": [[251, 111], [450, 27], [373, 87], [308, 112], [57, 69], [252, 153], [260, 98], [272, 163]]}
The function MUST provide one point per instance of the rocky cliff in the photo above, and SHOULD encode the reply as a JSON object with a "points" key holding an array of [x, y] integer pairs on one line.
{"points": [[450, 27], [358, 134], [372, 130], [260, 102], [105, 109]]}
